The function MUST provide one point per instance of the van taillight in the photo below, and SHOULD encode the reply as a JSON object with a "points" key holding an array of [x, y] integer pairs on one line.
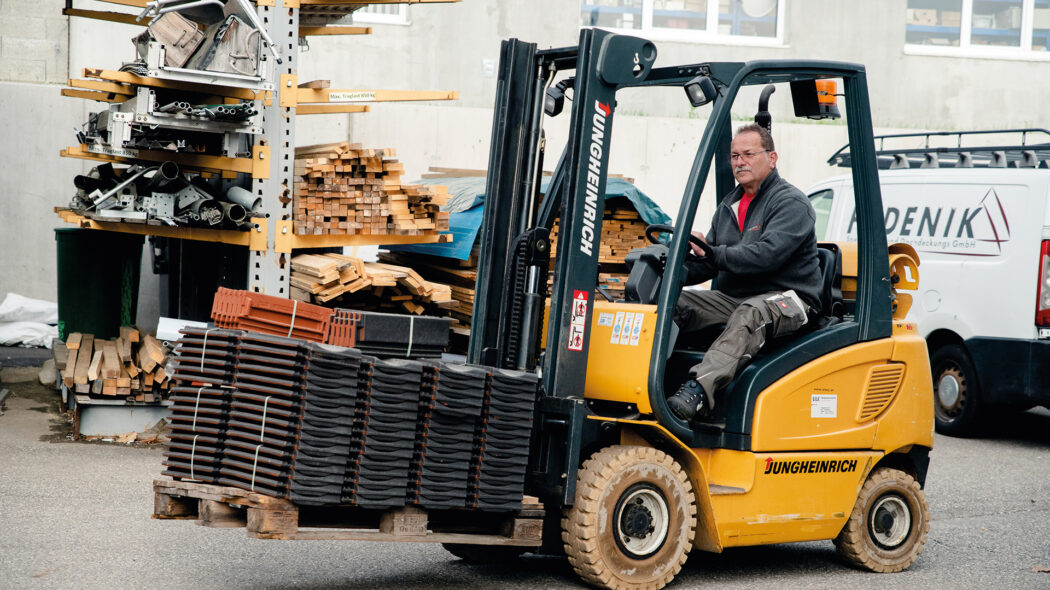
{"points": [[1042, 306]]}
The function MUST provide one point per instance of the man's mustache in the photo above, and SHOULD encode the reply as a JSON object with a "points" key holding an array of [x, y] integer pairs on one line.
{"points": [[741, 169]]}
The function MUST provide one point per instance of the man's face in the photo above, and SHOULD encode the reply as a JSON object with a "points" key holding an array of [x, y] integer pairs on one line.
{"points": [[751, 162]]}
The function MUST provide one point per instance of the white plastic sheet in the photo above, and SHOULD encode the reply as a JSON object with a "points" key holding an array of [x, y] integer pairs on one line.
{"points": [[17, 308], [27, 334], [26, 322]]}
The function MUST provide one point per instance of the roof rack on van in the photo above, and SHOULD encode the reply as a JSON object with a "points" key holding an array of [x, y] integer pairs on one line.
{"points": [[1025, 153]]}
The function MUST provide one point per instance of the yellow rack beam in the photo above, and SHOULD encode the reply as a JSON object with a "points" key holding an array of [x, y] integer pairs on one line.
{"points": [[95, 95], [225, 236], [129, 78], [258, 165]]}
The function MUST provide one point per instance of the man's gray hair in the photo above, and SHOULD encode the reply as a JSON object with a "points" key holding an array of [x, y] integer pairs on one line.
{"points": [[763, 133]]}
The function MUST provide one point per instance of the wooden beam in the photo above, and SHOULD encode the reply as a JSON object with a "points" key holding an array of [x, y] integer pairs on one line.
{"points": [[113, 17], [306, 95], [136, 3], [95, 95]]}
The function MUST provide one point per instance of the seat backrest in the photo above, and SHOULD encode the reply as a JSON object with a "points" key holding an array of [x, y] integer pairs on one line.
{"points": [[830, 259]]}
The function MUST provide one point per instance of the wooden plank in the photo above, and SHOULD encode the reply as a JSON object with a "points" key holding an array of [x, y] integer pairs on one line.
{"points": [[216, 514], [316, 84], [84, 359], [129, 333], [174, 507], [110, 360], [154, 349], [96, 364], [221, 493], [73, 341], [71, 367]]}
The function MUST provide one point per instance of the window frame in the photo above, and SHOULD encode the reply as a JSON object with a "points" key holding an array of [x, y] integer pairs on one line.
{"points": [[700, 36], [966, 48]]}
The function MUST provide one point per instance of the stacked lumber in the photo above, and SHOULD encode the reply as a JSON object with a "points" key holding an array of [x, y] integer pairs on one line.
{"points": [[343, 188], [321, 278], [623, 230], [130, 366], [460, 276]]}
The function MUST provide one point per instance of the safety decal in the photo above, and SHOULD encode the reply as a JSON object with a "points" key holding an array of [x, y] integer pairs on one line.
{"points": [[578, 320], [605, 319], [636, 329], [617, 327], [628, 323]]}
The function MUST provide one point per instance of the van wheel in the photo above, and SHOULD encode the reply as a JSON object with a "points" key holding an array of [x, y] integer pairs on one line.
{"points": [[887, 529], [633, 520], [956, 398], [484, 554]]}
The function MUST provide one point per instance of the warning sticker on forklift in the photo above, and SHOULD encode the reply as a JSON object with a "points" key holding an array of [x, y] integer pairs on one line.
{"points": [[823, 405], [636, 330], [617, 326], [605, 319], [578, 320], [625, 333]]}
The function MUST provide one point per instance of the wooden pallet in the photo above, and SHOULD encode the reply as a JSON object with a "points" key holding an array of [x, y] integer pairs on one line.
{"points": [[265, 517]]}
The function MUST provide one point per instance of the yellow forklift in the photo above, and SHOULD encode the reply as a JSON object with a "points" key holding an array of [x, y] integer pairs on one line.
{"points": [[825, 435]]}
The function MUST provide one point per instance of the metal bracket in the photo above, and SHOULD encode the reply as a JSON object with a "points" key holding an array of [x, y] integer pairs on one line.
{"points": [[260, 161], [285, 238], [257, 234], [289, 84]]}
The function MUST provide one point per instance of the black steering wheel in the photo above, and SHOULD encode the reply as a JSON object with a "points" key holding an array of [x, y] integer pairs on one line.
{"points": [[655, 228]]}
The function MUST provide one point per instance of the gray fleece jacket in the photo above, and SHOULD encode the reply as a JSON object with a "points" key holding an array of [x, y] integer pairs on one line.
{"points": [[776, 251]]}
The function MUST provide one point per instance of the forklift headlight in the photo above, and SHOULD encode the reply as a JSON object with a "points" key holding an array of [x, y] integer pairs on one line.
{"points": [[700, 90], [553, 102]]}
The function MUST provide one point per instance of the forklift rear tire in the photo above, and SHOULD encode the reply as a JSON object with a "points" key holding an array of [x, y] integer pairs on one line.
{"points": [[889, 524], [956, 394], [484, 554], [633, 520]]}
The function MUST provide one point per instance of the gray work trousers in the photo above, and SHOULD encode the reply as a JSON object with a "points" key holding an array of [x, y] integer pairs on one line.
{"points": [[749, 323]]}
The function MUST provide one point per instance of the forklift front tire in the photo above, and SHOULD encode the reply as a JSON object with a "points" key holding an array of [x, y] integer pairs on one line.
{"points": [[633, 521], [889, 524]]}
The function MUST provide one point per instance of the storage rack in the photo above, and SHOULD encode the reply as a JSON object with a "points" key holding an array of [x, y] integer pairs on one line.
{"points": [[270, 164]]}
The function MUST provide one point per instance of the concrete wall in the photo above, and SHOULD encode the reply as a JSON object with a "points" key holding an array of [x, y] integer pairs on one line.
{"points": [[456, 47]]}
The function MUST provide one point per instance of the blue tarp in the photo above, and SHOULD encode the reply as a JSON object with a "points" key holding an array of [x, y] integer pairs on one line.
{"points": [[466, 206]]}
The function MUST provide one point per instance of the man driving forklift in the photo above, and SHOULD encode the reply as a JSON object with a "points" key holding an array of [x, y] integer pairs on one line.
{"points": [[762, 248]]}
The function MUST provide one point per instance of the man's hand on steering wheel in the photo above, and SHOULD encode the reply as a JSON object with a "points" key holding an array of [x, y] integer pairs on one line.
{"points": [[697, 243]]}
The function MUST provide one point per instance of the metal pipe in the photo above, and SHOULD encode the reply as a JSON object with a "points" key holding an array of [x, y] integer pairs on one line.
{"points": [[119, 187], [167, 179], [244, 198], [234, 212]]}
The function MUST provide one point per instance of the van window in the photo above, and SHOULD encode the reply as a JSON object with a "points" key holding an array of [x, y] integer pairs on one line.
{"points": [[821, 201]]}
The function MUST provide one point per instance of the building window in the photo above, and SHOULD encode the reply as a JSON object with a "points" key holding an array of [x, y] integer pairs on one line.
{"points": [[388, 14], [744, 21], [989, 27]]}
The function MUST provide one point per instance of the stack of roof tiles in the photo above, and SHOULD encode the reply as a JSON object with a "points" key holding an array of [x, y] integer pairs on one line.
{"points": [[199, 414], [503, 444], [327, 425], [381, 334]]}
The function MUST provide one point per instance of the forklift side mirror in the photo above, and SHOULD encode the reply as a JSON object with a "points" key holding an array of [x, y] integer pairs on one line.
{"points": [[554, 100], [700, 90]]}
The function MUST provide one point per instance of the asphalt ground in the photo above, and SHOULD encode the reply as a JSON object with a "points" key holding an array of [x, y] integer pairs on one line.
{"points": [[77, 515]]}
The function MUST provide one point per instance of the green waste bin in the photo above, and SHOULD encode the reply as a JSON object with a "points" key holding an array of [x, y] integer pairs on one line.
{"points": [[98, 281]]}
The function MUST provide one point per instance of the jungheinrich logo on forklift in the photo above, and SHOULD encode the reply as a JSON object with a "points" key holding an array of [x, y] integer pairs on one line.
{"points": [[809, 466], [594, 174]]}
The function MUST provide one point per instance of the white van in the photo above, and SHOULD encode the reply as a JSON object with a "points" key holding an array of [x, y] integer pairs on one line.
{"points": [[983, 238]]}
